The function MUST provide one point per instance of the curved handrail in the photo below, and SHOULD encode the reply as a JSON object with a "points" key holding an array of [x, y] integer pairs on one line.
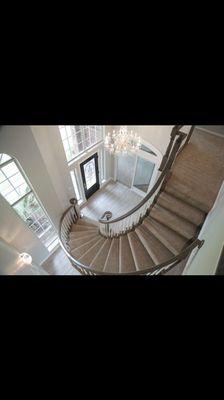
{"points": [[69, 255], [165, 266], [71, 215], [142, 202], [107, 215], [165, 171], [175, 131]]}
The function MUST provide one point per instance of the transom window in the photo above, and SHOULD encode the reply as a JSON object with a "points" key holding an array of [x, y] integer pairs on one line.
{"points": [[15, 189], [78, 138]]}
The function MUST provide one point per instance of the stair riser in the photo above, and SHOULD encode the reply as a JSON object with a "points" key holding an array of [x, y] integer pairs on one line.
{"points": [[91, 253], [127, 263], [157, 251], [99, 261], [86, 224], [78, 242], [79, 228], [140, 254], [167, 237], [112, 262]]}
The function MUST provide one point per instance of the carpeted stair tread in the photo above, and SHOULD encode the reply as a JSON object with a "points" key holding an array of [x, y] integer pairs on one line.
{"points": [[78, 251], [80, 235], [140, 254], [179, 190], [83, 228], [181, 208], [156, 249], [198, 171], [168, 237], [112, 262], [87, 223], [76, 242], [127, 262], [91, 253], [178, 224], [98, 262]]}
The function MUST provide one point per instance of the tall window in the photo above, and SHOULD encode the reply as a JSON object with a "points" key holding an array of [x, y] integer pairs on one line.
{"points": [[76, 186], [15, 189], [78, 138]]}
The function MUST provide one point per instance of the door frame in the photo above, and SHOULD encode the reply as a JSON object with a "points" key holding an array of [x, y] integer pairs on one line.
{"points": [[89, 192], [75, 166], [149, 157]]}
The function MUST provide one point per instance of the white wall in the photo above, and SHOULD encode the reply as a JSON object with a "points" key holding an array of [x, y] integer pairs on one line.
{"points": [[8, 258], [50, 185], [49, 142], [157, 135], [15, 232], [19, 142], [10, 263], [206, 259]]}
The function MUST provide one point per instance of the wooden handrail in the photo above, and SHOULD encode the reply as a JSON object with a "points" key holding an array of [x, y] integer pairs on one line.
{"points": [[188, 138], [165, 266], [175, 131], [61, 241]]}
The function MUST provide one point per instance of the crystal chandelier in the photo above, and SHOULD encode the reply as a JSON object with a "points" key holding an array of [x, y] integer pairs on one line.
{"points": [[122, 141]]}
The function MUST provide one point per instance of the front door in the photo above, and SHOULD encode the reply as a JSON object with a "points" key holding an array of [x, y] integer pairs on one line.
{"points": [[90, 175]]}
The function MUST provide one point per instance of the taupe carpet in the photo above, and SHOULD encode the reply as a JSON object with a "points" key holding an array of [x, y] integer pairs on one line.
{"points": [[199, 170]]}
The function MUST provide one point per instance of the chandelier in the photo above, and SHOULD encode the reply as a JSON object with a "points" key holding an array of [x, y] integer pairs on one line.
{"points": [[122, 141]]}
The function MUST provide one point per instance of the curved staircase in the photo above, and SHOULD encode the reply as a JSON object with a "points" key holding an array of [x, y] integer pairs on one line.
{"points": [[161, 231], [161, 236]]}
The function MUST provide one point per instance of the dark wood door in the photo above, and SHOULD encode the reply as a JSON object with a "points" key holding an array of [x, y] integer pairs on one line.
{"points": [[90, 175]]}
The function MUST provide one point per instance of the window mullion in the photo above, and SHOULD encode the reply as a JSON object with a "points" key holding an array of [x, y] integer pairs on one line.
{"points": [[32, 212], [21, 198], [6, 162]]}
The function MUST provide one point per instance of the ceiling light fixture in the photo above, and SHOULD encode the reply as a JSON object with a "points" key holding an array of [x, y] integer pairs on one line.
{"points": [[122, 141]]}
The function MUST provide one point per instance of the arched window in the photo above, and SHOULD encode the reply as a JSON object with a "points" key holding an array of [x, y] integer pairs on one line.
{"points": [[18, 193]]}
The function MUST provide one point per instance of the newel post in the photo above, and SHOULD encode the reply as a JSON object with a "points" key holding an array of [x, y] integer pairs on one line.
{"points": [[74, 203], [105, 228], [169, 147]]}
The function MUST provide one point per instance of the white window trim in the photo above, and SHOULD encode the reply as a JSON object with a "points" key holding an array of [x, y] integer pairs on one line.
{"points": [[149, 157], [75, 166], [85, 150], [13, 159]]}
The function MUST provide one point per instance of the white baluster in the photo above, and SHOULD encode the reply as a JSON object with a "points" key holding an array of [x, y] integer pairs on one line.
{"points": [[123, 225], [70, 218], [138, 215], [119, 228], [132, 220], [129, 222]]}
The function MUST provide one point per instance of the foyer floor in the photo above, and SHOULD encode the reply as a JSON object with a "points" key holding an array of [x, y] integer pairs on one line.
{"points": [[114, 197]]}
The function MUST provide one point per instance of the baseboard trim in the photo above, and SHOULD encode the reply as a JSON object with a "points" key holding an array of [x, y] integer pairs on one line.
{"points": [[208, 131]]}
